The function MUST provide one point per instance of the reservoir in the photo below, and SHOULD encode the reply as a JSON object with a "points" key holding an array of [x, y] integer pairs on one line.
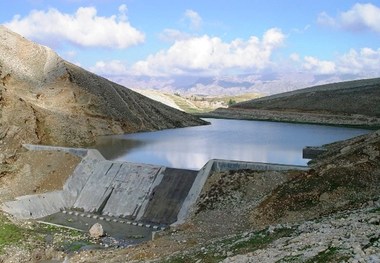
{"points": [[192, 147]]}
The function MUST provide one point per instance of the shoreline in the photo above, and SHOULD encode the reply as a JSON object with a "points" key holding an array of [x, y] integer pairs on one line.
{"points": [[357, 122]]}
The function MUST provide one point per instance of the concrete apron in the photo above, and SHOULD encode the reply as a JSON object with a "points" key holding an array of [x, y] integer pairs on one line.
{"points": [[145, 196], [123, 232]]}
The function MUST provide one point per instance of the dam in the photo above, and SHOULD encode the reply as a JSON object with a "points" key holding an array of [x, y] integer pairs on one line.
{"points": [[140, 195]]}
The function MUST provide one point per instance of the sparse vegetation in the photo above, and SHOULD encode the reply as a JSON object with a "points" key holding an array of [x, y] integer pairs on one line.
{"points": [[261, 240], [238, 244], [33, 236], [231, 102], [9, 233], [331, 254]]}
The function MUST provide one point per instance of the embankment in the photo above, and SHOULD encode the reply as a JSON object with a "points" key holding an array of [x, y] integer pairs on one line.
{"points": [[356, 120]]}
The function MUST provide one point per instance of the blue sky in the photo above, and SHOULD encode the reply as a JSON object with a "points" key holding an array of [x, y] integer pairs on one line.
{"points": [[122, 39]]}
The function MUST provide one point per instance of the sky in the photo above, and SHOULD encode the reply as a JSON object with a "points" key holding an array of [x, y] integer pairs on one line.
{"points": [[150, 43]]}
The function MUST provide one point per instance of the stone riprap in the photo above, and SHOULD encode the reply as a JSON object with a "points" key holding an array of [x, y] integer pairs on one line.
{"points": [[144, 193]]}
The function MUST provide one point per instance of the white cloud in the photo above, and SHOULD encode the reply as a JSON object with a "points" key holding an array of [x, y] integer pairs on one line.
{"points": [[273, 37], [123, 12], [172, 35], [326, 20], [110, 68], [364, 62], [194, 19], [301, 30], [83, 28], [123, 9], [294, 57], [319, 66], [360, 17], [210, 55]]}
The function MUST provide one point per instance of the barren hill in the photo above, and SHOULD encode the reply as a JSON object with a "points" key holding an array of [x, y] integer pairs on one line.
{"points": [[351, 97], [346, 103], [45, 99]]}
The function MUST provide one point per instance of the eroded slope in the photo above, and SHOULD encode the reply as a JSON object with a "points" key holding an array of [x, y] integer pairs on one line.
{"points": [[45, 99]]}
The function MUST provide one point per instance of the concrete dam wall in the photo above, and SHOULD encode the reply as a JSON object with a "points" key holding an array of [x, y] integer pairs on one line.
{"points": [[144, 193]]}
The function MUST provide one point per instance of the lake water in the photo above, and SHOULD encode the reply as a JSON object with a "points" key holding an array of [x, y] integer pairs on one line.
{"points": [[191, 148]]}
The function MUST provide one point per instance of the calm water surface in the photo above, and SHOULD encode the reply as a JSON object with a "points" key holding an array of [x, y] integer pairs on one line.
{"points": [[191, 148]]}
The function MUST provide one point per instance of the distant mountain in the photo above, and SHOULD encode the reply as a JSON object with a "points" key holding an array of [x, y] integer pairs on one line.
{"points": [[264, 83], [45, 99]]}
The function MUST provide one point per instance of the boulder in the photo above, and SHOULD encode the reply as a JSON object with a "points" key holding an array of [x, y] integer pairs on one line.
{"points": [[96, 231]]}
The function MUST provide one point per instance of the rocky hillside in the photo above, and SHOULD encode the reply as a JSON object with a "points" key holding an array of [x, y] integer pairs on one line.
{"points": [[45, 99], [346, 103]]}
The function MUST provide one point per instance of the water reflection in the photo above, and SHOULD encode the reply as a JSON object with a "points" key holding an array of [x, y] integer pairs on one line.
{"points": [[241, 140], [114, 147]]}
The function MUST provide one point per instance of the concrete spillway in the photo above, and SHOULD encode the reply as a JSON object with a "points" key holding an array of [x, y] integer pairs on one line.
{"points": [[144, 193], [167, 198], [117, 188]]}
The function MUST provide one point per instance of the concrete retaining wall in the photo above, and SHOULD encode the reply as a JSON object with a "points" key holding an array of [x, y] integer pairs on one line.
{"points": [[35, 206], [81, 152], [228, 165]]}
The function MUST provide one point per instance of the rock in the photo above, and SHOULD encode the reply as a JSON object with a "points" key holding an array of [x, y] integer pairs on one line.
{"points": [[374, 221], [345, 149], [372, 152], [96, 231], [271, 229], [324, 197]]}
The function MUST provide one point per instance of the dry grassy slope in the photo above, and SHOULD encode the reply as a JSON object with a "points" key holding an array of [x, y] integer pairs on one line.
{"points": [[45, 99], [352, 97]]}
